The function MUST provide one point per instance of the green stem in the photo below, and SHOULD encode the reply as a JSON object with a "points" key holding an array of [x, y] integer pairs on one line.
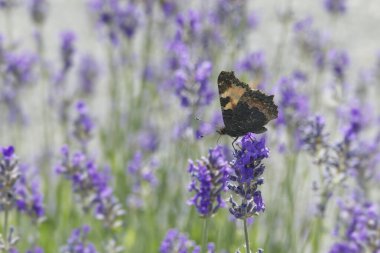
{"points": [[5, 232], [317, 235], [205, 234], [247, 250], [289, 183]]}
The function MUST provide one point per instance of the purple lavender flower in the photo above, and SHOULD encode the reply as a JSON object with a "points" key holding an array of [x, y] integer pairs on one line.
{"points": [[311, 42], [105, 16], [19, 68], [18, 74], [91, 187], [176, 242], [29, 199], [293, 104], [189, 77], [312, 135], [142, 177], [128, 20], [116, 18], [169, 7], [335, 6], [356, 123], [88, 75], [77, 242], [7, 4], [67, 49], [38, 10], [209, 180], [255, 64], [358, 226], [193, 87], [293, 108], [35, 250], [339, 62], [247, 177], [230, 12], [149, 139], [9, 175], [83, 124]]}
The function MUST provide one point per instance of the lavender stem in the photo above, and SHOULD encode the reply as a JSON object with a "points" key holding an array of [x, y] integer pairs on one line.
{"points": [[205, 234], [246, 236], [5, 233]]}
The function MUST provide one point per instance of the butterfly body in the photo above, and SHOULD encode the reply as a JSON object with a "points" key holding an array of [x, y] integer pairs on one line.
{"points": [[244, 110]]}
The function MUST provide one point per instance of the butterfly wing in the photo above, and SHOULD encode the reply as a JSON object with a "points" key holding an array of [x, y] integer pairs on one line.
{"points": [[231, 90], [253, 111]]}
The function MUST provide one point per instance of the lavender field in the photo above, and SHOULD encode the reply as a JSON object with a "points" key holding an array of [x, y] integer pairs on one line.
{"points": [[110, 124]]}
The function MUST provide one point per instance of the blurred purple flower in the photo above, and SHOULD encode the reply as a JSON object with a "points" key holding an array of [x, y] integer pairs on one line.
{"points": [[311, 42], [312, 135], [339, 61], [8, 152], [356, 123], [9, 175], [293, 108], [169, 7], [176, 242], [77, 242], [88, 75], [38, 10], [230, 12], [18, 74], [91, 187], [253, 20], [116, 18], [192, 86], [254, 64], [335, 6], [128, 20], [19, 68], [345, 248], [142, 177], [148, 139], [29, 199], [83, 125], [358, 224], [190, 76], [68, 39], [247, 177], [7, 4], [209, 180], [35, 250]]}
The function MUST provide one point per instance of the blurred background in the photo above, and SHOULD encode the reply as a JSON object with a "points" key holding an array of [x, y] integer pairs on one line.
{"points": [[106, 101]]}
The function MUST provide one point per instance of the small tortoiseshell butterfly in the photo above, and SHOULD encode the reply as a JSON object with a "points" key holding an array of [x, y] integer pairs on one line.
{"points": [[244, 109]]}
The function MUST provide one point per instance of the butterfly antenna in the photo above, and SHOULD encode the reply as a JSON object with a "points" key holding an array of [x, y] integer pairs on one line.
{"points": [[217, 141]]}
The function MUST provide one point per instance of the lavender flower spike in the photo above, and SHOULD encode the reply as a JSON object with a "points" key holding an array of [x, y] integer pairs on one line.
{"points": [[209, 177], [67, 49], [77, 243], [246, 179], [9, 174]]}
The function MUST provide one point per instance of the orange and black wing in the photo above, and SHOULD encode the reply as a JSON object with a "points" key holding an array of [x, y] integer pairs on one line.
{"points": [[231, 90]]}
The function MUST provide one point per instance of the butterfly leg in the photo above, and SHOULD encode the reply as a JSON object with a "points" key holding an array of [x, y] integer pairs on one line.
{"points": [[233, 142]]}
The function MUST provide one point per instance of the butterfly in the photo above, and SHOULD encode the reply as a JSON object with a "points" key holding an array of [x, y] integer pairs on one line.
{"points": [[245, 110]]}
